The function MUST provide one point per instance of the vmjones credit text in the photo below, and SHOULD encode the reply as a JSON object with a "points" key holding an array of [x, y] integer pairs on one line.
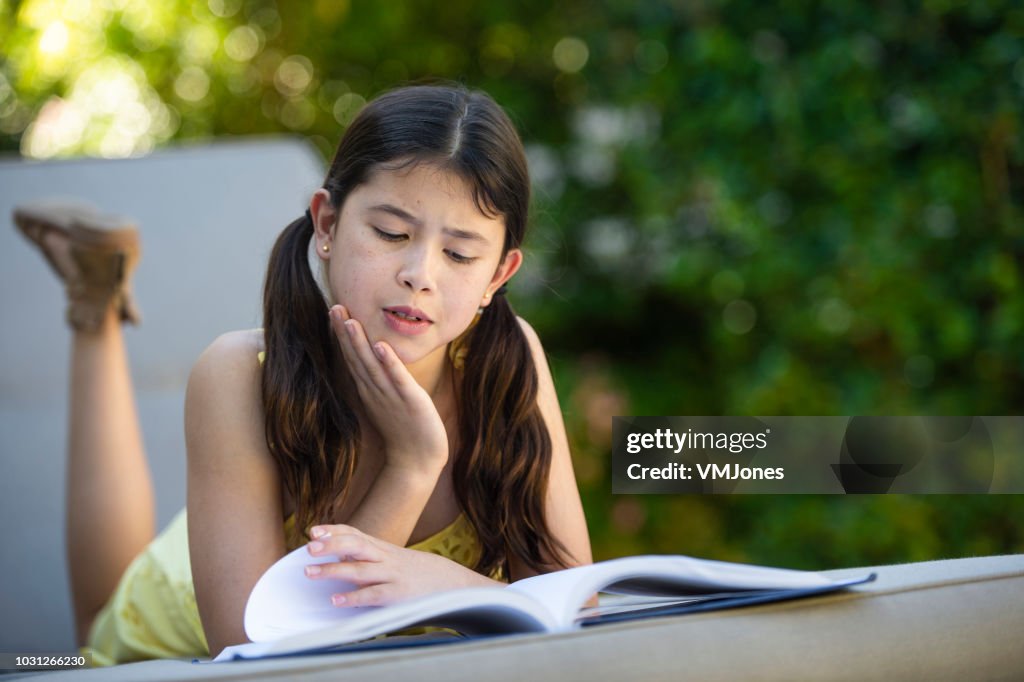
{"points": [[706, 472]]}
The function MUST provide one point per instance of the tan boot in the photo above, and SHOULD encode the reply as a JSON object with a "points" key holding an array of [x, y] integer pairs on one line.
{"points": [[93, 254]]}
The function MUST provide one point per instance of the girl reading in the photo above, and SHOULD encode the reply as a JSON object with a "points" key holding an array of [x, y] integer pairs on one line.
{"points": [[393, 411]]}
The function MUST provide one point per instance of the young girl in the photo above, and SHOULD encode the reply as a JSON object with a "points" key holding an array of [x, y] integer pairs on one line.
{"points": [[396, 412]]}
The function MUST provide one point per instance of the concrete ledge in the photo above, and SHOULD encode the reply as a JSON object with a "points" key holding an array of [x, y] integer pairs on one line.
{"points": [[939, 620]]}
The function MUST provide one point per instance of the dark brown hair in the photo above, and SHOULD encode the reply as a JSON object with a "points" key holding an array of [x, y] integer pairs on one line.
{"points": [[500, 468]]}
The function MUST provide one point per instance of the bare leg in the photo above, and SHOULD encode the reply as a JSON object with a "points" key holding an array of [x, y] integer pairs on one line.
{"points": [[110, 510]]}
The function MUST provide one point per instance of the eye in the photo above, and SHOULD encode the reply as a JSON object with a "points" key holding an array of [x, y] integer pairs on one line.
{"points": [[459, 258], [389, 236]]}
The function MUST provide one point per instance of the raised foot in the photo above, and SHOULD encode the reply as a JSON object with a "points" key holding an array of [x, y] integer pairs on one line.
{"points": [[92, 253]]}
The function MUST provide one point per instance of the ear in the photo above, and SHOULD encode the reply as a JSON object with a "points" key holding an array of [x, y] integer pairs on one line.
{"points": [[325, 217], [508, 267]]}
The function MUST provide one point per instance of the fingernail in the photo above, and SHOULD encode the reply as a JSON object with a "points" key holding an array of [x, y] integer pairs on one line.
{"points": [[350, 325], [317, 532], [379, 350], [338, 599], [316, 546], [312, 570]]}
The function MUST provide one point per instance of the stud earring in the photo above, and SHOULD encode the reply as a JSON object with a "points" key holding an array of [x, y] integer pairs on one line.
{"points": [[326, 248]]}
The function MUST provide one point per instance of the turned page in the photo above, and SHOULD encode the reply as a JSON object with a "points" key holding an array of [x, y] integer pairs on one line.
{"points": [[563, 593]]}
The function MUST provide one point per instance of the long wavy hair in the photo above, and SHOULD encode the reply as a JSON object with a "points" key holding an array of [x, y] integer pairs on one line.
{"points": [[503, 454]]}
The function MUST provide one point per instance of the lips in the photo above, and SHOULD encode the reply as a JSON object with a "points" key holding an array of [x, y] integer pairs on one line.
{"points": [[406, 321], [410, 314]]}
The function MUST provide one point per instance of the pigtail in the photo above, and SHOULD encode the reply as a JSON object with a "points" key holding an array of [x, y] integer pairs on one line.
{"points": [[501, 471], [310, 428]]}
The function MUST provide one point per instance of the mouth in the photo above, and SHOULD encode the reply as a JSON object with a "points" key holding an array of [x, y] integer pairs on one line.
{"points": [[406, 321], [408, 314]]}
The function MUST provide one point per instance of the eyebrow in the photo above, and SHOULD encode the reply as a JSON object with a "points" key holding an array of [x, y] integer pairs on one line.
{"points": [[413, 220]]}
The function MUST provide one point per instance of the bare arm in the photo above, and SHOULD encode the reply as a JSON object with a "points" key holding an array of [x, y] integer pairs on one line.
{"points": [[393, 504], [414, 437], [235, 520], [562, 505], [384, 572]]}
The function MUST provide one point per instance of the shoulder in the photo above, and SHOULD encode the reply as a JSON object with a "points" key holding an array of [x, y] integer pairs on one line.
{"points": [[540, 362], [539, 355], [243, 342], [223, 389], [229, 354], [224, 419], [531, 337]]}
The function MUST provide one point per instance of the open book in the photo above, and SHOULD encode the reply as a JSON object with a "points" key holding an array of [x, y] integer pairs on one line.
{"points": [[288, 613]]}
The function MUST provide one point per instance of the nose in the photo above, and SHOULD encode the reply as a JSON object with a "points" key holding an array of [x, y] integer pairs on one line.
{"points": [[416, 271]]}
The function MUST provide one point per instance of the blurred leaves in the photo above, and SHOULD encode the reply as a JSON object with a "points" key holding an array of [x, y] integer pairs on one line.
{"points": [[739, 209]]}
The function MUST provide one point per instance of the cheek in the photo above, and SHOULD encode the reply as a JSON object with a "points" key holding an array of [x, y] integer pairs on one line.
{"points": [[353, 279], [462, 318], [466, 302]]}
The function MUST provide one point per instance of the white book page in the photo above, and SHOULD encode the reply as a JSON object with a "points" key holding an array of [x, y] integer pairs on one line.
{"points": [[612, 604], [285, 602], [287, 605], [287, 609], [564, 592], [474, 610]]}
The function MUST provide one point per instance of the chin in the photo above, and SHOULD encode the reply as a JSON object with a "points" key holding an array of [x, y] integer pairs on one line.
{"points": [[413, 356], [407, 357]]}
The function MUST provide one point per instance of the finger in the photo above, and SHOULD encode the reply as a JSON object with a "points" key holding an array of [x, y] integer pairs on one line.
{"points": [[348, 330], [359, 573], [371, 362], [397, 372], [341, 332], [346, 547], [333, 529], [373, 595]]}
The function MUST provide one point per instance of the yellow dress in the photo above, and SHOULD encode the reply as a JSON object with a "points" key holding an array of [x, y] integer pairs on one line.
{"points": [[153, 613]]}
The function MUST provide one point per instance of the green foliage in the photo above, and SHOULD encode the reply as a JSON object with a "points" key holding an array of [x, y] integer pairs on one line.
{"points": [[740, 208]]}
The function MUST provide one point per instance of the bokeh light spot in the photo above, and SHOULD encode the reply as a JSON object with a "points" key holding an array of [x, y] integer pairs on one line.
{"points": [[650, 56], [293, 75], [201, 43], [54, 39], [298, 114], [243, 43], [225, 8], [834, 316], [739, 316], [608, 240], [940, 221], [192, 84], [347, 106], [570, 54]]}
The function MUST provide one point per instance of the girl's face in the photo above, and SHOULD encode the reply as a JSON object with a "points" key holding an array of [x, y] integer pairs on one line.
{"points": [[412, 258]]}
